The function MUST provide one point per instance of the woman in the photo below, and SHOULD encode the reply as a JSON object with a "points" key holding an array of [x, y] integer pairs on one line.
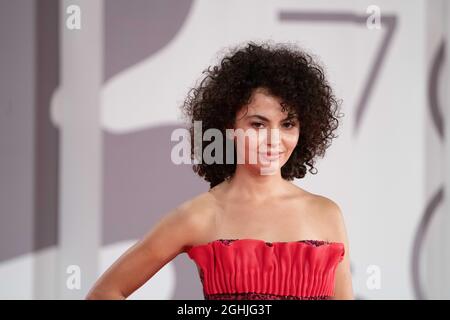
{"points": [[265, 231]]}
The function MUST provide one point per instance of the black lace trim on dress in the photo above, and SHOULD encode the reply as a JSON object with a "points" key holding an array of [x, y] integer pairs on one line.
{"points": [[270, 244], [259, 296]]}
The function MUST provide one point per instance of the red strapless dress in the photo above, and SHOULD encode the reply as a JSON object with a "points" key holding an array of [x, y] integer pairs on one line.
{"points": [[253, 269]]}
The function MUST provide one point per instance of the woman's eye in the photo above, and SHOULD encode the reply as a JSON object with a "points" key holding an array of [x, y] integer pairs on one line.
{"points": [[257, 124], [289, 125]]}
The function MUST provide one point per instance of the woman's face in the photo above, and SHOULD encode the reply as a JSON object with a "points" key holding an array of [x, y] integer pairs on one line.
{"points": [[270, 135]]}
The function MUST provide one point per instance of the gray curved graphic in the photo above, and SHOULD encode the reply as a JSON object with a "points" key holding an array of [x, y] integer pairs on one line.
{"points": [[137, 29], [435, 112], [436, 115], [389, 22], [419, 238]]}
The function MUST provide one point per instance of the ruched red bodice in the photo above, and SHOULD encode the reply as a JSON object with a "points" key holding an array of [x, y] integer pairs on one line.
{"points": [[254, 269]]}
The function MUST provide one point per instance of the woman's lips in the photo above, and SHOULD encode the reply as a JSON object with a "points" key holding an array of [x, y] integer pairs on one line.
{"points": [[271, 155]]}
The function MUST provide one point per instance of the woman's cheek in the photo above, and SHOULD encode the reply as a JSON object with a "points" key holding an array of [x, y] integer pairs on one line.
{"points": [[291, 140], [252, 150], [248, 150]]}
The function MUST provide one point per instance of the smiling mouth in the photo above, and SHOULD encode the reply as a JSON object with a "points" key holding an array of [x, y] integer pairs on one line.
{"points": [[271, 155]]}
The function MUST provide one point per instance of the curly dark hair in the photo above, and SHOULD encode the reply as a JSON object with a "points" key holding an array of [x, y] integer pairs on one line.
{"points": [[286, 72]]}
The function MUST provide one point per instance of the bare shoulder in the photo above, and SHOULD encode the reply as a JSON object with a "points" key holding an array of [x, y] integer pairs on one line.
{"points": [[324, 206], [199, 207], [179, 228], [330, 215], [197, 216], [326, 215]]}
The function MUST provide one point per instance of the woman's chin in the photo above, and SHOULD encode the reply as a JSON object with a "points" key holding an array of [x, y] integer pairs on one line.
{"points": [[269, 168]]}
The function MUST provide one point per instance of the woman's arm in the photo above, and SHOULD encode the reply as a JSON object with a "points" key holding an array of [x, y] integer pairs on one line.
{"points": [[343, 276], [333, 223], [139, 263]]}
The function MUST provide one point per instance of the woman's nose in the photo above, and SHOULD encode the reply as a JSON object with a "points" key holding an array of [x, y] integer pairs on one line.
{"points": [[274, 137]]}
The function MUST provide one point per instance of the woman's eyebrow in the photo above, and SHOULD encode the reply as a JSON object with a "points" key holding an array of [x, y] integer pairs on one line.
{"points": [[265, 119], [258, 116]]}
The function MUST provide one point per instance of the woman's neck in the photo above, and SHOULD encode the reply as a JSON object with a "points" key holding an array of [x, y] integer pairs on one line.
{"points": [[251, 185]]}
